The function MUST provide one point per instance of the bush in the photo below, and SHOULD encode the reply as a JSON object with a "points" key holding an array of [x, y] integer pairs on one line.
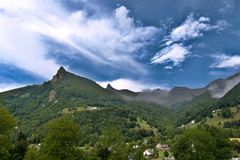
{"points": [[227, 113]]}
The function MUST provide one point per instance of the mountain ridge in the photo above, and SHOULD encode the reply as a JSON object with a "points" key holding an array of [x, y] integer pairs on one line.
{"points": [[92, 106], [217, 89], [69, 94]]}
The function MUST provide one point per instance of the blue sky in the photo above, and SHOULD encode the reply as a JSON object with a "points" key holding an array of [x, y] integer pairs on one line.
{"points": [[134, 44]]}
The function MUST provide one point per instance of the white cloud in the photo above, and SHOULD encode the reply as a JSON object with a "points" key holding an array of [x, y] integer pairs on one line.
{"points": [[218, 73], [174, 50], [20, 47], [226, 61], [191, 28], [132, 85], [108, 39], [168, 67], [126, 23], [175, 53]]}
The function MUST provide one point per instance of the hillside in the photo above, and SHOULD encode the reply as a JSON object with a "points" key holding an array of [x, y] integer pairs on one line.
{"points": [[218, 120], [225, 112], [232, 98], [92, 107], [195, 110]]}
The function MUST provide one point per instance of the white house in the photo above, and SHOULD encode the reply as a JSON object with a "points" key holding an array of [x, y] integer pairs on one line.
{"points": [[163, 147], [148, 153]]}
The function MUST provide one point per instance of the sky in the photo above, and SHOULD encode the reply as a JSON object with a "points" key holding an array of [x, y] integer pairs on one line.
{"points": [[131, 44]]}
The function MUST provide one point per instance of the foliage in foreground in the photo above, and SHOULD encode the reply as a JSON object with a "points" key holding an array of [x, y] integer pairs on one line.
{"points": [[202, 143], [62, 136], [60, 142], [7, 124]]}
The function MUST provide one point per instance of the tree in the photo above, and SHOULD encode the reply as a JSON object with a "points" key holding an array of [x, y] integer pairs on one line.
{"points": [[202, 143], [111, 146], [135, 150], [165, 153], [194, 144], [227, 113], [19, 147], [223, 146], [60, 142], [32, 154], [7, 124], [236, 146]]}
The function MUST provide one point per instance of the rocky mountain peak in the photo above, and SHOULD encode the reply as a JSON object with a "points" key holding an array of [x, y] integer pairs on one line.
{"points": [[110, 88], [61, 71]]}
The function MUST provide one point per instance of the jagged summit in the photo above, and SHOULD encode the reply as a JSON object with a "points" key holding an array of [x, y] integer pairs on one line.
{"points": [[61, 71], [110, 88]]}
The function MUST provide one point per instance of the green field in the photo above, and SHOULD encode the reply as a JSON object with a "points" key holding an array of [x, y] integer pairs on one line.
{"points": [[161, 155], [217, 120], [144, 125]]}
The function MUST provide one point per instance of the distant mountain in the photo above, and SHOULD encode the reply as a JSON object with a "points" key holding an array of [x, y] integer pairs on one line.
{"points": [[208, 111], [220, 87], [124, 93], [202, 106], [177, 95], [191, 104], [158, 96], [182, 94], [231, 98]]}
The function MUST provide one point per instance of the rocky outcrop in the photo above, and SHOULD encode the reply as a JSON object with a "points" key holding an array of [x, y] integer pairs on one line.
{"points": [[52, 95], [59, 75]]}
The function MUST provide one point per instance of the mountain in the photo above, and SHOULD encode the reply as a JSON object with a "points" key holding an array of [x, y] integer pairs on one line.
{"points": [[178, 95], [68, 82], [212, 113], [124, 93], [202, 106], [96, 108], [182, 94], [231, 98], [158, 96], [220, 87], [37, 104], [91, 106]]}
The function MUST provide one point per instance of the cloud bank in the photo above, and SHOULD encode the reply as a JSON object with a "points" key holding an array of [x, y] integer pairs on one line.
{"points": [[110, 40], [136, 86]]}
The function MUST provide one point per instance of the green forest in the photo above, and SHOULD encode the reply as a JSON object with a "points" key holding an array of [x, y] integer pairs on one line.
{"points": [[64, 138]]}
